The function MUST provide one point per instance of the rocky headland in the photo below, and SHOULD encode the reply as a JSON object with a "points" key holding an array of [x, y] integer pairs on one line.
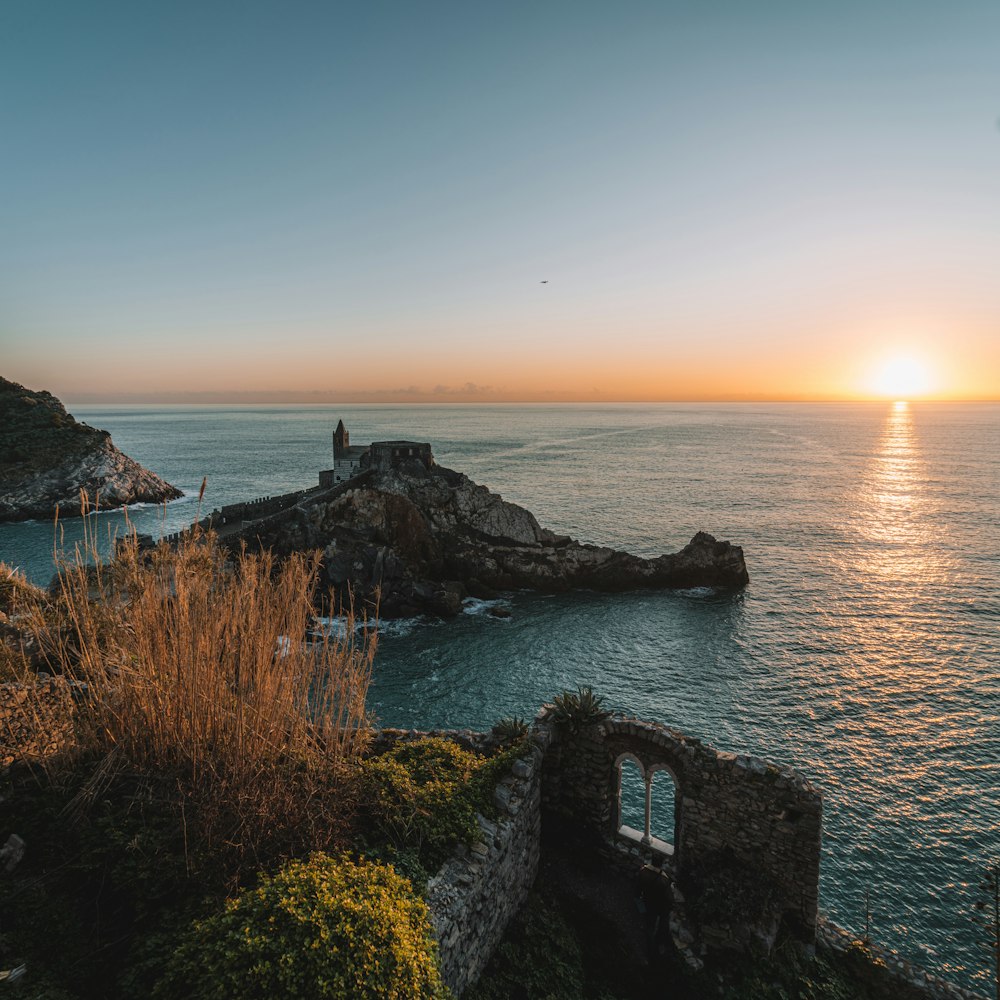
{"points": [[47, 458], [420, 540]]}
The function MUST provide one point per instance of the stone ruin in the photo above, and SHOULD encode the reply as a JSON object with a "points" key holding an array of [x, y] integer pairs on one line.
{"points": [[752, 824]]}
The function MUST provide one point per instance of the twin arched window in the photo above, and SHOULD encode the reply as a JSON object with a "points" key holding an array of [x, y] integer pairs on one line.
{"points": [[646, 804]]}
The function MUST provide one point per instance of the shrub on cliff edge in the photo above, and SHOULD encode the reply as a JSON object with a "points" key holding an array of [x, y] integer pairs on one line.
{"points": [[424, 795], [321, 928], [415, 796]]}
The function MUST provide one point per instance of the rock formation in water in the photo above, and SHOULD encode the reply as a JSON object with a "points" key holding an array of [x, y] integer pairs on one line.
{"points": [[425, 538], [47, 458]]}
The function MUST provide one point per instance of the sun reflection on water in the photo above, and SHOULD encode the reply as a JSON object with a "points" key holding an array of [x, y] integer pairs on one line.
{"points": [[893, 569], [891, 509], [900, 674]]}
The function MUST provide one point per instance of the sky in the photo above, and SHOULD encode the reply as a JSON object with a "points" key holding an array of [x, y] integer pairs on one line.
{"points": [[451, 202]]}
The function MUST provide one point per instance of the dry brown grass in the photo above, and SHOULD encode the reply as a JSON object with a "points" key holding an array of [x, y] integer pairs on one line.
{"points": [[199, 675], [16, 593], [16, 596]]}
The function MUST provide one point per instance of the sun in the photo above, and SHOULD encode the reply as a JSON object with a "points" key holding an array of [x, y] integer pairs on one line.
{"points": [[901, 376]]}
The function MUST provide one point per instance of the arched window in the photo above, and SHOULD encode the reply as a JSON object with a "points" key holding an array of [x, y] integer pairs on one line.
{"points": [[662, 808], [646, 804], [631, 797]]}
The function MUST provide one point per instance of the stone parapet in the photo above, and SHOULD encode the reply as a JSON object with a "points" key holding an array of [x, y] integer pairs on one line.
{"points": [[475, 894]]}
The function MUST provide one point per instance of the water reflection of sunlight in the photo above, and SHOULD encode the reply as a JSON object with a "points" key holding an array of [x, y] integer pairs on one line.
{"points": [[900, 672], [897, 565], [892, 501]]}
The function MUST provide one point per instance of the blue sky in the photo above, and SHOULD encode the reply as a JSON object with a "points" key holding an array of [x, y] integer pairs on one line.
{"points": [[362, 200]]}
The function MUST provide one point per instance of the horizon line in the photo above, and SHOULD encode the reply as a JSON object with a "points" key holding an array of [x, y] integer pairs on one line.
{"points": [[382, 399]]}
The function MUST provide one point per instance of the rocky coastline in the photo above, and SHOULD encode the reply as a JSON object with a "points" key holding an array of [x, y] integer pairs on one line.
{"points": [[419, 540], [47, 458]]}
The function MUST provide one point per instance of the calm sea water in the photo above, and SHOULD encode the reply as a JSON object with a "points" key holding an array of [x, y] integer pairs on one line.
{"points": [[865, 652]]}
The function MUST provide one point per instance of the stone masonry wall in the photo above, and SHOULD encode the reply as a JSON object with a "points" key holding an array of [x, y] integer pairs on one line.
{"points": [[36, 719], [251, 510], [477, 892], [767, 818]]}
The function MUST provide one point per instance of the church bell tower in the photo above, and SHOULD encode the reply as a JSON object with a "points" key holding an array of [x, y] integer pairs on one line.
{"points": [[341, 441]]}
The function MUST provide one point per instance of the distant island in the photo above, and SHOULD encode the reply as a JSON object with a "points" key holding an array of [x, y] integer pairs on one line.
{"points": [[396, 528], [47, 458]]}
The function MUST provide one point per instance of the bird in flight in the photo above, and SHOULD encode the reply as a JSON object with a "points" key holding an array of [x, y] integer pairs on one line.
{"points": [[545, 282]]}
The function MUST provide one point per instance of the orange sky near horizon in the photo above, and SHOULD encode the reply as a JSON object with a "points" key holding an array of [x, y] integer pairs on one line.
{"points": [[851, 366], [750, 378]]}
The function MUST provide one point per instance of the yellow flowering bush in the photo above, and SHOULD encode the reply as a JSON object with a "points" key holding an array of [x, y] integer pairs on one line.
{"points": [[321, 928], [423, 795], [415, 796]]}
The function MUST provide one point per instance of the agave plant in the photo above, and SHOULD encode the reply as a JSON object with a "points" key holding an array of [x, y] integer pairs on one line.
{"points": [[510, 729], [579, 708]]}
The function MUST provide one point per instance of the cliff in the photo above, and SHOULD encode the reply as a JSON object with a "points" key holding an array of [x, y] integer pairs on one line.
{"points": [[47, 457], [424, 539]]}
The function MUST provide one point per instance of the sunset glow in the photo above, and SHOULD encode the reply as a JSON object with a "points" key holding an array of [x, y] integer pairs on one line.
{"points": [[902, 376]]}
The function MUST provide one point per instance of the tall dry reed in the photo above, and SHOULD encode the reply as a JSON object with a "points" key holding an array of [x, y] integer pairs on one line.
{"points": [[203, 669]]}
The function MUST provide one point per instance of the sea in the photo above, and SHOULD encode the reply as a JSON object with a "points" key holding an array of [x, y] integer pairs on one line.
{"points": [[865, 651]]}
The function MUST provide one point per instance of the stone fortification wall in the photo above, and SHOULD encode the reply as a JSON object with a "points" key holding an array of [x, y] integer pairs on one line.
{"points": [[235, 514], [252, 510], [386, 455], [211, 521], [245, 520], [767, 819], [480, 888], [476, 893]]}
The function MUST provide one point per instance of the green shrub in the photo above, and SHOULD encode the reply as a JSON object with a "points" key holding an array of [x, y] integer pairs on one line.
{"points": [[789, 974], [423, 795], [406, 860], [434, 758], [417, 796], [490, 771], [321, 928]]}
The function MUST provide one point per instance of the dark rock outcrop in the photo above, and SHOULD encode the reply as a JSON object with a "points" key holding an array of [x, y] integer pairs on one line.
{"points": [[47, 458], [424, 539]]}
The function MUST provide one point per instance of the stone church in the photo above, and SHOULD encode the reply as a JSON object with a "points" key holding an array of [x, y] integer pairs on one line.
{"points": [[351, 460]]}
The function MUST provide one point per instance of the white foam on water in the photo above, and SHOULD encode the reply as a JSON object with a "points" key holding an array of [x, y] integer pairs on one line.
{"points": [[389, 627], [477, 606]]}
